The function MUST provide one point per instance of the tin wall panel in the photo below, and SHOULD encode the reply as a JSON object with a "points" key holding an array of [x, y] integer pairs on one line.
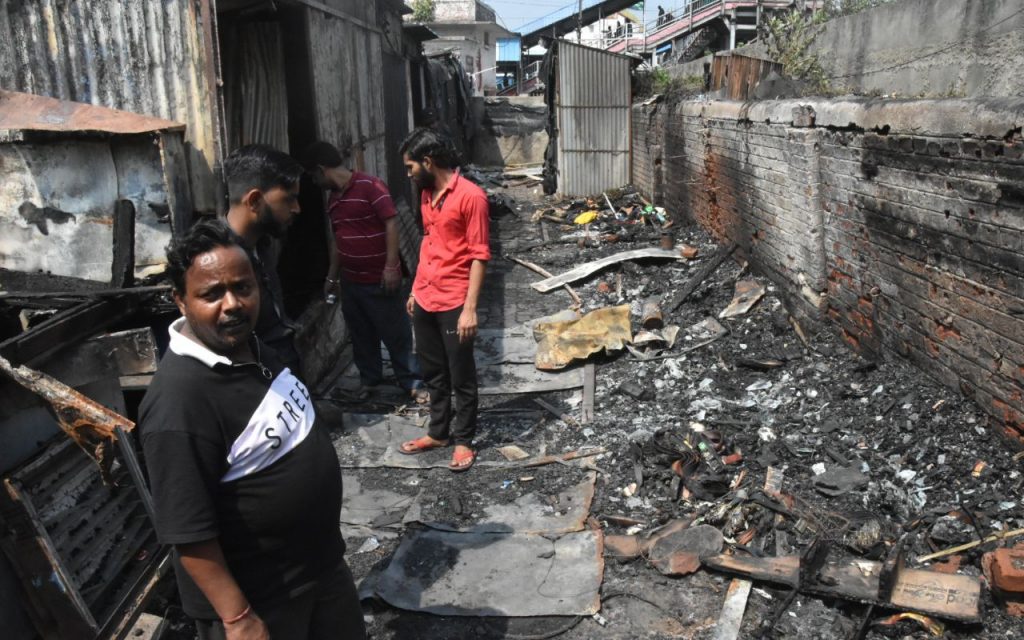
{"points": [[348, 82], [593, 110], [145, 57]]}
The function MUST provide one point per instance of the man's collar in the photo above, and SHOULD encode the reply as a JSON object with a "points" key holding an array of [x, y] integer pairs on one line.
{"points": [[454, 180], [186, 346]]}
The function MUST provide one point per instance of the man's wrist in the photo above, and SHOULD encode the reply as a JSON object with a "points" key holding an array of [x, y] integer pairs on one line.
{"points": [[242, 616]]}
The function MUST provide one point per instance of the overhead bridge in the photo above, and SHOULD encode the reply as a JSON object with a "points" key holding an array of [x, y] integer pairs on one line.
{"points": [[565, 20]]}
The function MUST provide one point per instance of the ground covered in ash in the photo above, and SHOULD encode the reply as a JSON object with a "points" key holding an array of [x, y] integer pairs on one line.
{"points": [[869, 451]]}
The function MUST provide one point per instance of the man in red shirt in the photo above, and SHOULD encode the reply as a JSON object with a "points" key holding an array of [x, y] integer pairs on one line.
{"points": [[453, 260], [362, 240]]}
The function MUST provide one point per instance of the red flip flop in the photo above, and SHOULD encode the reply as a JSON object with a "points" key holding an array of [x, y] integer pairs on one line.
{"points": [[462, 460], [419, 445]]}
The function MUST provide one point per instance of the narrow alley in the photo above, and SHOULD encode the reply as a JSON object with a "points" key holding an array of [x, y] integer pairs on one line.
{"points": [[738, 287]]}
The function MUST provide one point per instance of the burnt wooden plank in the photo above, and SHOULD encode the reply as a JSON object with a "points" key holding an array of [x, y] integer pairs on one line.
{"points": [[66, 328], [122, 268]]}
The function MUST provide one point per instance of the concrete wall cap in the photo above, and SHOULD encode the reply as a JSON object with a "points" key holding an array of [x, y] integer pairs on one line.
{"points": [[982, 117]]}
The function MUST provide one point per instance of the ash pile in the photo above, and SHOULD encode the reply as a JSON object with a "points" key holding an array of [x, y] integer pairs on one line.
{"points": [[761, 479]]}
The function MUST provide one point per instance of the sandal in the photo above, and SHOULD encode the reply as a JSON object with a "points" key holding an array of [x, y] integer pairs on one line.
{"points": [[419, 445], [462, 459], [420, 395]]}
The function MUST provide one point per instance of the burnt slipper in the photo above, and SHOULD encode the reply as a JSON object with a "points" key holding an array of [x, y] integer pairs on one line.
{"points": [[462, 460], [419, 445]]}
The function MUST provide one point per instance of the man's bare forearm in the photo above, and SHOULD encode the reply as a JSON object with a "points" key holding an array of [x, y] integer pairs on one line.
{"points": [[476, 281], [205, 564]]}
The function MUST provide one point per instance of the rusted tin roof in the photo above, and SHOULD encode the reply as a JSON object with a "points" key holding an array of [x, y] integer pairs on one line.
{"points": [[27, 112]]}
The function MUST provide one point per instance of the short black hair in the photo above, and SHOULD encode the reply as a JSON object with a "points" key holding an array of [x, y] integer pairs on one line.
{"points": [[204, 236], [325, 154], [423, 142], [259, 166]]}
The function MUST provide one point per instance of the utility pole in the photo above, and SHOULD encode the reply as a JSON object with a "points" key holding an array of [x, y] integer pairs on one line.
{"points": [[579, 23]]}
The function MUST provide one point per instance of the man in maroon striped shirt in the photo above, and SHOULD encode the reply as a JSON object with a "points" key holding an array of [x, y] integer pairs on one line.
{"points": [[365, 266]]}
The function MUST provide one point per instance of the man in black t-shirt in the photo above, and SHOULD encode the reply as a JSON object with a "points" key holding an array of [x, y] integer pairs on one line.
{"points": [[245, 481], [263, 198]]}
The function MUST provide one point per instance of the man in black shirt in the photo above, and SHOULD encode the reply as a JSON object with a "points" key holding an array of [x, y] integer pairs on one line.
{"points": [[263, 194], [246, 483]]}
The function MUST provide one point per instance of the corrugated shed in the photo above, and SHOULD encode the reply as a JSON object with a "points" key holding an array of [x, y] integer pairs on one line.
{"points": [[509, 50], [593, 110], [148, 57], [348, 85]]}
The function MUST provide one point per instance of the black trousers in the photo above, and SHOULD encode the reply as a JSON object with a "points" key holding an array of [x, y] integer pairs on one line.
{"points": [[447, 365], [330, 611]]}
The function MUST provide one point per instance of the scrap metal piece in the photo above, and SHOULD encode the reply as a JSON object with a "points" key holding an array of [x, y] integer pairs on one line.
{"points": [[559, 343], [86, 421], [589, 268], [748, 292], [729, 623]]}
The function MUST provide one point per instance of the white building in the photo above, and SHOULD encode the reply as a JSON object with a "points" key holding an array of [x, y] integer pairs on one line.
{"points": [[608, 30]]}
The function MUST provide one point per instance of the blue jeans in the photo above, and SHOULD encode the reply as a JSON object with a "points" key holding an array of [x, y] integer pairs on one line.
{"points": [[374, 316]]}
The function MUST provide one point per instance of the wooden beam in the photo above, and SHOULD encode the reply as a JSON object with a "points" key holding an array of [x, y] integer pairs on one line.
{"points": [[122, 268], [66, 328]]}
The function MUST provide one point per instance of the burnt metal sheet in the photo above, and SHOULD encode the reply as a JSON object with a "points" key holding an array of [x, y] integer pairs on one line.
{"points": [[152, 58], [594, 266], [547, 512], [84, 548], [350, 103], [82, 418], [560, 343], [56, 217], [27, 112], [593, 116], [255, 104], [495, 574]]}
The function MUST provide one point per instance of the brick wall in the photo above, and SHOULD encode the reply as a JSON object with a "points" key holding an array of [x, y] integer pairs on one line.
{"points": [[900, 223], [751, 183], [648, 135]]}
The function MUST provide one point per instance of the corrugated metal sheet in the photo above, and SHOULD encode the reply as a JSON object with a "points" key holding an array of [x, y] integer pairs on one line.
{"points": [[255, 99], [739, 74], [593, 110], [147, 57], [348, 85]]}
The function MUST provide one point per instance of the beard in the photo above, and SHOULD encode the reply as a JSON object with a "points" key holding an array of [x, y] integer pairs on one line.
{"points": [[269, 224], [424, 180]]}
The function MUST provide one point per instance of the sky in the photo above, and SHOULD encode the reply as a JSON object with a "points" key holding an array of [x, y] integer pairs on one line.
{"points": [[514, 13]]}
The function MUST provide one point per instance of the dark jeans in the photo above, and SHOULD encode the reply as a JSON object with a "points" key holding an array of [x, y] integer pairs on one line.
{"points": [[374, 316], [448, 366], [330, 611]]}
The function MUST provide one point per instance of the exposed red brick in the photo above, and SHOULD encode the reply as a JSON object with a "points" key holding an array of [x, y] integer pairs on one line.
{"points": [[851, 340], [949, 565], [946, 333], [1008, 570]]}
